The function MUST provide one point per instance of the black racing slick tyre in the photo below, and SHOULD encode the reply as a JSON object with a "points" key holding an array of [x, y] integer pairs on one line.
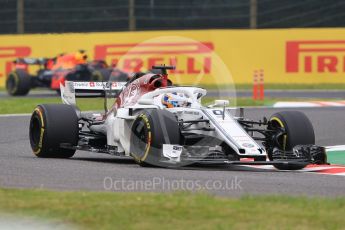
{"points": [[50, 126], [18, 83], [299, 131], [150, 130]]}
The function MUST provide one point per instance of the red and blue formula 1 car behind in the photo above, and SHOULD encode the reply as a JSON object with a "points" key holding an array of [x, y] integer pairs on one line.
{"points": [[50, 72]]}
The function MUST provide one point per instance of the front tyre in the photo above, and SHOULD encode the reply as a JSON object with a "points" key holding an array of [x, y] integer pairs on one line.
{"points": [[298, 131], [150, 130], [50, 126]]}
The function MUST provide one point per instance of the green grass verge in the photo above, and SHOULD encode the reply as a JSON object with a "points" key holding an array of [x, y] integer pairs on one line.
{"points": [[242, 101], [246, 101], [93, 210], [26, 105]]}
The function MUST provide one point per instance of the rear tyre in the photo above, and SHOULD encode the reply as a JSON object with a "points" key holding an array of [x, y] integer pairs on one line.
{"points": [[150, 130], [18, 83], [50, 126], [299, 131]]}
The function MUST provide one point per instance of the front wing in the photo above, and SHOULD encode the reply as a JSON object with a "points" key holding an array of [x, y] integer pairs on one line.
{"points": [[301, 154]]}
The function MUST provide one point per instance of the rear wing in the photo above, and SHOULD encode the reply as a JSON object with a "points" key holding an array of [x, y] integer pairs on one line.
{"points": [[31, 61], [72, 90]]}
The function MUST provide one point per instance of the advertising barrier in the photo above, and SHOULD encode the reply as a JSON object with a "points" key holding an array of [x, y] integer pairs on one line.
{"points": [[299, 56]]}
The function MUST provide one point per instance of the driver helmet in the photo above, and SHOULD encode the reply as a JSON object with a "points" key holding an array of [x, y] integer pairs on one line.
{"points": [[172, 100], [80, 57]]}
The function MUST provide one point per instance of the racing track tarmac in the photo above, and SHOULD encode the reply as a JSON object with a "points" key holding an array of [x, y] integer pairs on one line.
{"points": [[87, 171]]}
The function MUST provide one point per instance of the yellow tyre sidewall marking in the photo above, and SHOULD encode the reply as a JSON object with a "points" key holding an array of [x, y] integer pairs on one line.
{"points": [[39, 112], [148, 144], [280, 122]]}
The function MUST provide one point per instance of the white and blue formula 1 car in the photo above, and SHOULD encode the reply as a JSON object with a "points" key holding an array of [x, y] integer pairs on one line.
{"points": [[159, 124]]}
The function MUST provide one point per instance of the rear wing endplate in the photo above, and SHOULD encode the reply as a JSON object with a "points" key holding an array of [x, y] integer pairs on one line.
{"points": [[72, 90]]}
